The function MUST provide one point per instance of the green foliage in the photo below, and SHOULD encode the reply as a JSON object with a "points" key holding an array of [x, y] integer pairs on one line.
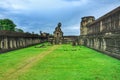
{"points": [[7, 24], [19, 30]]}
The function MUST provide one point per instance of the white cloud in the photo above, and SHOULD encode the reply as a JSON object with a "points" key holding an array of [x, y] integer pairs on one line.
{"points": [[73, 29], [12, 4], [39, 5]]}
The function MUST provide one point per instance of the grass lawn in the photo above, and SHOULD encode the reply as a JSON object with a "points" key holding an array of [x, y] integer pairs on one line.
{"points": [[59, 62]]}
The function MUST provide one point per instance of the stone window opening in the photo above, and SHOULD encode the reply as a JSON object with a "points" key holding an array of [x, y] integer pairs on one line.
{"points": [[57, 34]]}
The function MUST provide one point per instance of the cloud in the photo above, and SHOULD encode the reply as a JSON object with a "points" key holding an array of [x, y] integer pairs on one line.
{"points": [[13, 4], [36, 15], [40, 4], [70, 29]]}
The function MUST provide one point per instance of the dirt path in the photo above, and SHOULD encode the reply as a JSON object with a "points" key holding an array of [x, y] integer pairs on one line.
{"points": [[27, 64]]}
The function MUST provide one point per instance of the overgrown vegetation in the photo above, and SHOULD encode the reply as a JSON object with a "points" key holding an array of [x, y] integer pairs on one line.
{"points": [[66, 62], [7, 24]]}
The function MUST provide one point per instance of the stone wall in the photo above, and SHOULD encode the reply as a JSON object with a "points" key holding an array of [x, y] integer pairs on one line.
{"points": [[15, 40], [70, 39], [104, 34]]}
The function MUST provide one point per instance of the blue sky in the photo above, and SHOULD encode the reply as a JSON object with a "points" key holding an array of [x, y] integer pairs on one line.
{"points": [[44, 15]]}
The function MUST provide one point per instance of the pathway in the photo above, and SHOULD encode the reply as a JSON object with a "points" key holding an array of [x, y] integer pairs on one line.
{"points": [[27, 64]]}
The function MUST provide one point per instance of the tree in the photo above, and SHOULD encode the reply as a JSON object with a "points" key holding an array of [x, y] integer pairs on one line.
{"points": [[19, 30], [0, 27], [7, 24]]}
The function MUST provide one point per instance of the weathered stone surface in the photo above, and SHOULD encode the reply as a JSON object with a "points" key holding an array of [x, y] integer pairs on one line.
{"points": [[58, 35], [14, 40], [102, 34]]}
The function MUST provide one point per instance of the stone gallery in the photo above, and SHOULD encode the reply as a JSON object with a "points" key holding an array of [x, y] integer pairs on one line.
{"points": [[14, 40], [102, 34]]}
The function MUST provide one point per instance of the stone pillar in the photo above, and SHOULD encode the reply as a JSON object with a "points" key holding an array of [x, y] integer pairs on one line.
{"points": [[6, 43], [21, 43], [97, 43], [18, 43], [24, 43], [11, 43], [15, 43], [104, 44], [2, 42], [100, 43]]}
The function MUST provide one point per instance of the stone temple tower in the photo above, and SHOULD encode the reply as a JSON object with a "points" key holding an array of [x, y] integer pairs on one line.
{"points": [[58, 35], [83, 28], [85, 21]]}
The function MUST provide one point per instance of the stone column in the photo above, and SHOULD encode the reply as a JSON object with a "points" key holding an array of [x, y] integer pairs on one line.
{"points": [[24, 43], [21, 43], [18, 43], [97, 43], [92, 42], [6, 43], [104, 44], [11, 43], [2, 42], [15, 43], [100, 44]]}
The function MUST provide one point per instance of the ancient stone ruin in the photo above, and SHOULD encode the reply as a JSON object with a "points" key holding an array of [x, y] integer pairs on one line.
{"points": [[58, 35], [10, 40], [102, 34]]}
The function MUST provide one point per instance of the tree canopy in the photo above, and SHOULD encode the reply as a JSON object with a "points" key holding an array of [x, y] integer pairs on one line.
{"points": [[18, 30], [7, 24]]}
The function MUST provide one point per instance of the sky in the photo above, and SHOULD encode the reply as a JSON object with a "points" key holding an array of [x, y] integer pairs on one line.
{"points": [[44, 15]]}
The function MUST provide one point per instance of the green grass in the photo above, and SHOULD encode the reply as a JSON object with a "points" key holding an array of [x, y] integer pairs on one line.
{"points": [[64, 63], [13, 59]]}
